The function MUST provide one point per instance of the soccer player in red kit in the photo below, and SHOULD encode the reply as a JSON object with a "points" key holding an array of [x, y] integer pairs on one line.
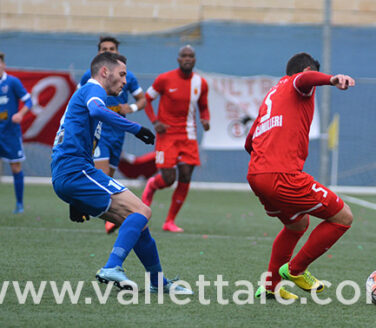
{"points": [[278, 145], [181, 93]]}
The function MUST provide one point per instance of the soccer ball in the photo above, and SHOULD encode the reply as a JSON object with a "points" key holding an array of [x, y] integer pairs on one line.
{"points": [[371, 286]]}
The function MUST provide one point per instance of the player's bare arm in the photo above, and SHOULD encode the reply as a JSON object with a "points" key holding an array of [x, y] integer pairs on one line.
{"points": [[138, 105], [342, 82], [17, 118]]}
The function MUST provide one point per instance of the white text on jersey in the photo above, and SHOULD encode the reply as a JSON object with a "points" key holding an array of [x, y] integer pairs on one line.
{"points": [[275, 121]]}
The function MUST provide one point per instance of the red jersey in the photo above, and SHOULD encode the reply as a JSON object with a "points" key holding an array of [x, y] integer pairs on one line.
{"points": [[278, 140], [180, 98]]}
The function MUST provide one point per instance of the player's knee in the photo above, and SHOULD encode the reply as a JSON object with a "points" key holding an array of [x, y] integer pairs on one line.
{"points": [[15, 167], [145, 210], [344, 216], [169, 180], [301, 225], [348, 216]]}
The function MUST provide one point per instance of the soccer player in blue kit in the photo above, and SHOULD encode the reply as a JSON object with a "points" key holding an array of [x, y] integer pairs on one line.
{"points": [[11, 150], [108, 150], [91, 192]]}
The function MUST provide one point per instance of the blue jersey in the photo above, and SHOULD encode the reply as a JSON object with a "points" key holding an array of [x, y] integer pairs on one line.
{"points": [[80, 128], [116, 137], [11, 92]]}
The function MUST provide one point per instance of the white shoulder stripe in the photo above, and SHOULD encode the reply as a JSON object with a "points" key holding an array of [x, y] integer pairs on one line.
{"points": [[137, 91], [95, 98], [152, 92], [25, 97]]}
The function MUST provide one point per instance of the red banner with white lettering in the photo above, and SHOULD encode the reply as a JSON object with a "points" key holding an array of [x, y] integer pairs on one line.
{"points": [[50, 93]]}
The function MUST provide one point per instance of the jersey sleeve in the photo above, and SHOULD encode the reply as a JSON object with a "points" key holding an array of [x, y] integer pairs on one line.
{"points": [[156, 89], [95, 102], [84, 78], [21, 93], [306, 81], [132, 84], [203, 101], [152, 93]]}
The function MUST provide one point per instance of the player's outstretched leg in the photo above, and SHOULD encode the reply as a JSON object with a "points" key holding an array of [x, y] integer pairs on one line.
{"points": [[152, 185], [129, 233], [305, 281], [147, 252]]}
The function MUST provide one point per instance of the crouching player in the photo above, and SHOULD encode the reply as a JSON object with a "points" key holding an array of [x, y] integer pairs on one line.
{"points": [[278, 144], [91, 192]]}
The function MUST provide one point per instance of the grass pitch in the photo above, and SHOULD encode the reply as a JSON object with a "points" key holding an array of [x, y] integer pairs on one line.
{"points": [[226, 233]]}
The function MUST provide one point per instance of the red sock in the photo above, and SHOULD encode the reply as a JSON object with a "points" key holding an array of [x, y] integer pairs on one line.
{"points": [[157, 182], [282, 250], [320, 240], [178, 198]]}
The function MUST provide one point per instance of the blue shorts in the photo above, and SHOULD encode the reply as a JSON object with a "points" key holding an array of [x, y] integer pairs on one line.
{"points": [[110, 150], [11, 149], [89, 190]]}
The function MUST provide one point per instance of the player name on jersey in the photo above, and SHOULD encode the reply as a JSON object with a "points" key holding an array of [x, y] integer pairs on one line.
{"points": [[275, 121]]}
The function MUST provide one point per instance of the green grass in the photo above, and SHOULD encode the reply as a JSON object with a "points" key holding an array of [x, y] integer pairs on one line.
{"points": [[226, 233]]}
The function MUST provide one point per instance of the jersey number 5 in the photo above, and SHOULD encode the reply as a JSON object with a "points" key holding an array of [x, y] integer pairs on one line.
{"points": [[268, 103]]}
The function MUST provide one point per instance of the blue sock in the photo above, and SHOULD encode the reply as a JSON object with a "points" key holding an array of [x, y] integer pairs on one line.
{"points": [[18, 181], [147, 252], [129, 233]]}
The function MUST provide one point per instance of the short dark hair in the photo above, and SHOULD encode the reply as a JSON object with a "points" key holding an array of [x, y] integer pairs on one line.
{"points": [[2, 56], [108, 38], [299, 62], [106, 58]]}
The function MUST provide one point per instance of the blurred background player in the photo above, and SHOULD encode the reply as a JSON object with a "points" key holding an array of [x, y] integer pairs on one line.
{"points": [[182, 91], [91, 192], [11, 150], [278, 145], [108, 151]]}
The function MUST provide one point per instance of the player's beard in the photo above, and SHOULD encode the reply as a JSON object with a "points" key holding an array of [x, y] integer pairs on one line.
{"points": [[112, 91]]}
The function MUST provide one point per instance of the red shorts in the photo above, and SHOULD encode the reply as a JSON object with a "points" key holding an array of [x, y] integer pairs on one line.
{"points": [[172, 150], [291, 196]]}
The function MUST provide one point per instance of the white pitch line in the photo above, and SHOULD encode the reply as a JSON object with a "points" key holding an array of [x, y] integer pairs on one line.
{"points": [[360, 202], [162, 234], [159, 233]]}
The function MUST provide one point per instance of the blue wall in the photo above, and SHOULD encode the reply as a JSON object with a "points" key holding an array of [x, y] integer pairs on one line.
{"points": [[236, 49]]}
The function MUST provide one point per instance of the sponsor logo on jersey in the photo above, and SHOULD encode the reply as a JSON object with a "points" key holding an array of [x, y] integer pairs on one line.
{"points": [[5, 88], [115, 109], [4, 116], [4, 100], [98, 131]]}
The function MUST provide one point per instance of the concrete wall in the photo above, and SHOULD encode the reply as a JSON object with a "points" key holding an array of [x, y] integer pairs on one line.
{"points": [[140, 16], [236, 49]]}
